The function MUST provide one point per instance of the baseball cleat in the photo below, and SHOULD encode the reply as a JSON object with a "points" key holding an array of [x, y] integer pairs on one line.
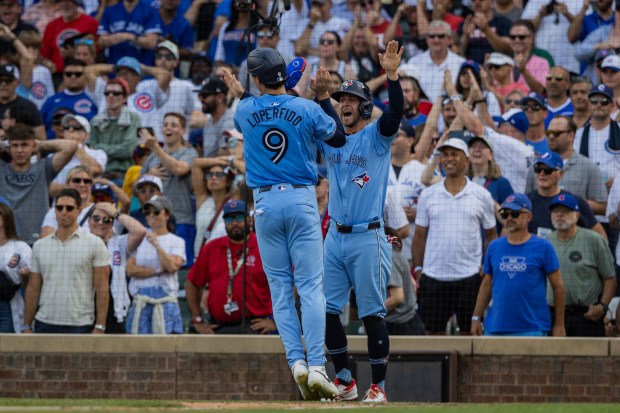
{"points": [[375, 395], [321, 384], [300, 375], [346, 393], [294, 70]]}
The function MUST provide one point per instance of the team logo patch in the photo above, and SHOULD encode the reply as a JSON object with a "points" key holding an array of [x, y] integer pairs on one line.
{"points": [[116, 258], [83, 106], [509, 199], [14, 261], [64, 35], [575, 256], [251, 261], [513, 265], [38, 90], [144, 102], [361, 179], [609, 150]]}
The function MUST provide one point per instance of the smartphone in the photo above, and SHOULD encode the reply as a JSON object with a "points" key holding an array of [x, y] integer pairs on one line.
{"points": [[148, 129]]}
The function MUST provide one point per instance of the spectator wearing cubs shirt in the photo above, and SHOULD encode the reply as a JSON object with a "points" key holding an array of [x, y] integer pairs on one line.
{"points": [[219, 267]]}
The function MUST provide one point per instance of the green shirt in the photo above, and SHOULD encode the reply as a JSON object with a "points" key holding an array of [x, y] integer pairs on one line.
{"points": [[117, 137], [585, 260]]}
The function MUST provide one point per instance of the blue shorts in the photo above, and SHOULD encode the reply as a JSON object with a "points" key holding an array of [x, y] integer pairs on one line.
{"points": [[359, 260]]}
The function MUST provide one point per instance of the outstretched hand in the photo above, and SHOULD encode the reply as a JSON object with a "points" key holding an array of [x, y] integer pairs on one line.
{"points": [[233, 84], [320, 84], [390, 61]]}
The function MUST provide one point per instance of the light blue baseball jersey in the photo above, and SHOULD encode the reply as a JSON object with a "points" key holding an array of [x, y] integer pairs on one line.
{"points": [[358, 176], [280, 134]]}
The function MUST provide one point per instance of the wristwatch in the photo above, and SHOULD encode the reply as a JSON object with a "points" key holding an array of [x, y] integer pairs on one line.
{"points": [[455, 98], [197, 320], [605, 307], [26, 327], [100, 327], [117, 214]]}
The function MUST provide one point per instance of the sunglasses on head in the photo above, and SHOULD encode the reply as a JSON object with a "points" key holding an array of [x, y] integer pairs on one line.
{"points": [[78, 181], [69, 208], [547, 171], [113, 93], [533, 108], [74, 74], [518, 36], [437, 36], [599, 101], [264, 35], [510, 213], [217, 175], [328, 42], [87, 42], [149, 211], [234, 218], [74, 127], [99, 218]]}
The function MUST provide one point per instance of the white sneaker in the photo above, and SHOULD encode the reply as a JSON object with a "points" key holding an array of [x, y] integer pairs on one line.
{"points": [[346, 393], [321, 384], [300, 375], [375, 395]]}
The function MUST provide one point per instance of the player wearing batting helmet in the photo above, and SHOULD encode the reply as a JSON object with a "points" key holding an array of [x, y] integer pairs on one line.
{"points": [[280, 142], [357, 253]]}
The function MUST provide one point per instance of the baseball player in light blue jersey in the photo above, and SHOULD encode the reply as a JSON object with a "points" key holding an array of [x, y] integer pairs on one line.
{"points": [[280, 142], [357, 254]]}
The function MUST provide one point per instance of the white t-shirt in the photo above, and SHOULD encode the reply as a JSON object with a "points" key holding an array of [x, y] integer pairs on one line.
{"points": [[393, 214], [42, 86], [454, 241], [551, 34], [98, 154], [15, 255], [204, 215], [513, 157], [50, 218], [430, 75], [599, 152], [146, 256]]}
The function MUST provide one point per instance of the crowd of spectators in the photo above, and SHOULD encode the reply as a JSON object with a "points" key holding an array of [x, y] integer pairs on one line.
{"points": [[120, 158]]}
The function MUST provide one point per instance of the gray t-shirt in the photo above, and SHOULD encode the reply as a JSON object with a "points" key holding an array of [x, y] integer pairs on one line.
{"points": [[28, 193], [401, 278], [176, 188], [212, 134]]}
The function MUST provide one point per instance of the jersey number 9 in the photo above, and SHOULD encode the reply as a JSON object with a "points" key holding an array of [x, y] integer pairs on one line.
{"points": [[276, 141]]}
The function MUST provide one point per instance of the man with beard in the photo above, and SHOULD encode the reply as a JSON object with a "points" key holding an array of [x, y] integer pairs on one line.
{"points": [[587, 270], [516, 270], [213, 97], [219, 269]]}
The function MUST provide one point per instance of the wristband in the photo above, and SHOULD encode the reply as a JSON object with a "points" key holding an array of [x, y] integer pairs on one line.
{"points": [[100, 327], [475, 318], [117, 214], [416, 269], [456, 98], [197, 320], [26, 327]]}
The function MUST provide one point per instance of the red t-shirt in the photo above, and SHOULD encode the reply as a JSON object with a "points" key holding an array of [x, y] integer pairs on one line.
{"points": [[211, 268], [58, 30]]}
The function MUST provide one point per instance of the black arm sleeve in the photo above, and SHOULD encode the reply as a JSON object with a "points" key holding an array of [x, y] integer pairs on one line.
{"points": [[339, 138], [389, 122], [246, 94]]}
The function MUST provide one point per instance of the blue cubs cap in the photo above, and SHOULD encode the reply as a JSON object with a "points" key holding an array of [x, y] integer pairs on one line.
{"points": [[234, 207], [517, 202], [471, 64], [551, 159], [603, 53], [99, 187], [516, 117], [534, 97], [130, 63], [565, 200], [602, 90]]}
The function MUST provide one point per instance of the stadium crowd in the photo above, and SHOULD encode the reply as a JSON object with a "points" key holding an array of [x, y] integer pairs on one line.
{"points": [[122, 165]]}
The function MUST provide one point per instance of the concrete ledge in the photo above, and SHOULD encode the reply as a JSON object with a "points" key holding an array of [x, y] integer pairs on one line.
{"points": [[544, 346], [192, 343], [614, 348]]}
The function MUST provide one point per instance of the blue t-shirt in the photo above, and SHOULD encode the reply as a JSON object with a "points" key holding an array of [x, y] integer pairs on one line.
{"points": [[235, 45], [280, 138], [539, 147], [566, 110], [519, 285], [144, 19], [358, 176], [180, 32], [592, 22], [80, 104]]}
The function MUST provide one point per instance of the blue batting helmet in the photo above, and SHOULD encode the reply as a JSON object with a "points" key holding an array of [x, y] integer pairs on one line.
{"points": [[268, 65], [359, 89]]}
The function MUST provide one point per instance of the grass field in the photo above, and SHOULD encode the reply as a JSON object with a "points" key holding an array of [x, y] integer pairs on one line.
{"points": [[140, 406]]}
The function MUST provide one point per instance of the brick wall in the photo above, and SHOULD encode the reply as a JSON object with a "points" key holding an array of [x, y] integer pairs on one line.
{"points": [[254, 368]]}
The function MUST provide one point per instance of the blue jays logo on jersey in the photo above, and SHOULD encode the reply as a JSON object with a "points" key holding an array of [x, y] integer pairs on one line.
{"points": [[361, 179]]}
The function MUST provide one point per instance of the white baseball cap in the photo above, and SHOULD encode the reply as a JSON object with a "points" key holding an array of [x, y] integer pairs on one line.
{"points": [[150, 179], [455, 143], [612, 62], [499, 59], [171, 47], [79, 119]]}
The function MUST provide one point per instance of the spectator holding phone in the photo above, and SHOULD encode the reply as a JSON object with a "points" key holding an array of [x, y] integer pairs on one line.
{"points": [[115, 129]]}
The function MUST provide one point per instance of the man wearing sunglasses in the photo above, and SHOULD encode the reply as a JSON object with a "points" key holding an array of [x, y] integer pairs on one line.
{"points": [[219, 268], [548, 170], [73, 97], [516, 270], [535, 108], [558, 102], [58, 300]]}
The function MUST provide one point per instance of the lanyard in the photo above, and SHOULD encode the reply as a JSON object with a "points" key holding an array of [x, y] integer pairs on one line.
{"points": [[232, 273]]}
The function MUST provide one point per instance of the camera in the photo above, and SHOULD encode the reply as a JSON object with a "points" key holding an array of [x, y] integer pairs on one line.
{"points": [[243, 5], [551, 6]]}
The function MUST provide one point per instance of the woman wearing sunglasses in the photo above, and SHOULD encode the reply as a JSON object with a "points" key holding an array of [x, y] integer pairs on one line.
{"points": [[101, 223], [81, 179], [15, 258], [152, 272]]}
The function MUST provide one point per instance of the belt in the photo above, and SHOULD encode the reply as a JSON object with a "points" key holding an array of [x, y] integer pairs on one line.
{"points": [[268, 188], [575, 309], [348, 229]]}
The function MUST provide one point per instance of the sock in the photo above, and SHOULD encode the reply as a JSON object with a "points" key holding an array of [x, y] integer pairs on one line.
{"points": [[336, 342], [344, 377], [378, 348]]}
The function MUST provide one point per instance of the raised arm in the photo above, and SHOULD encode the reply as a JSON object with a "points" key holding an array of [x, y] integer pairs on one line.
{"points": [[64, 150], [321, 88], [162, 76], [389, 121]]}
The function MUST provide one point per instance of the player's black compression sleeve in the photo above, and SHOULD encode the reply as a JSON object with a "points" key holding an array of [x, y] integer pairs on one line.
{"points": [[389, 121], [339, 138], [246, 94]]}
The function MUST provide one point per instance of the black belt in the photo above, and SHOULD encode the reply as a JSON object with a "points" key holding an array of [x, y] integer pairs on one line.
{"points": [[575, 309], [268, 188], [347, 229]]}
